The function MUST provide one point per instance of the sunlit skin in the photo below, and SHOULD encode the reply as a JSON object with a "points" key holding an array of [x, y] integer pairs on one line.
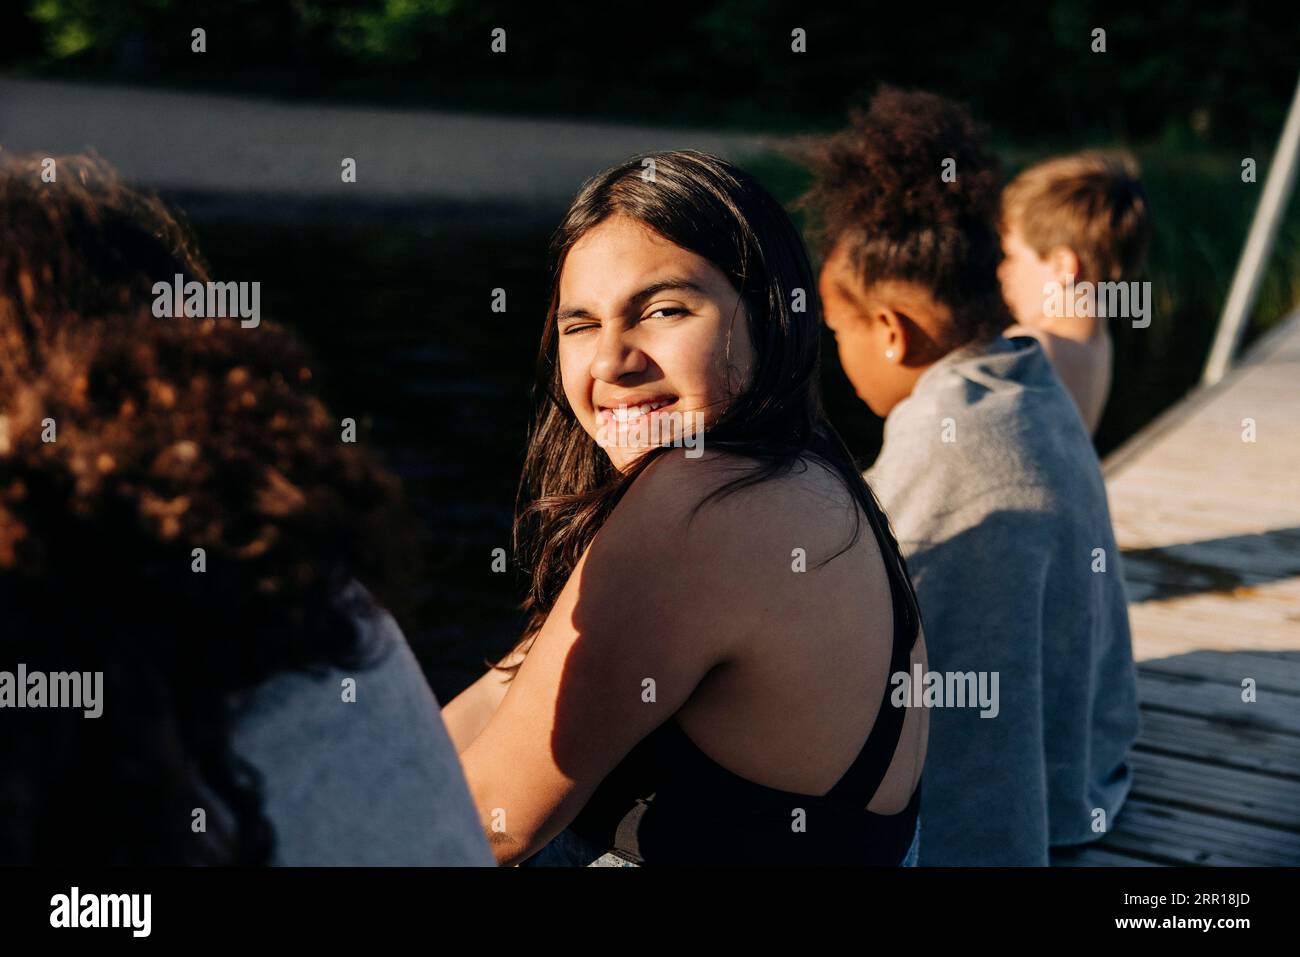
{"points": [[1078, 346], [642, 320], [1024, 275], [887, 333]]}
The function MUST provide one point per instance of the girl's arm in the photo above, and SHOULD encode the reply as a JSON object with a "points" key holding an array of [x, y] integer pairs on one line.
{"points": [[648, 610], [469, 712]]}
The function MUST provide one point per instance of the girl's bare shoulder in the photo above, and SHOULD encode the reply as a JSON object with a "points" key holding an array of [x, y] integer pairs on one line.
{"points": [[763, 515]]}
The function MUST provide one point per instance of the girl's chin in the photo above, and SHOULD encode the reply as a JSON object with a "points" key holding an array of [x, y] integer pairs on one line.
{"points": [[624, 459]]}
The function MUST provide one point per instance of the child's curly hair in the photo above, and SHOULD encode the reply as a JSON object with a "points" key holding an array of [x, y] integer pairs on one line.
{"points": [[880, 190], [170, 435]]}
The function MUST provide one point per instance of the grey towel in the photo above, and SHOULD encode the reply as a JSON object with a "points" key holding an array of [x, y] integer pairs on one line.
{"points": [[372, 782], [999, 525]]}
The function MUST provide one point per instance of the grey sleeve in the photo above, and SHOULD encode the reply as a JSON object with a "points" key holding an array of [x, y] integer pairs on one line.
{"points": [[373, 781], [975, 541], [984, 796]]}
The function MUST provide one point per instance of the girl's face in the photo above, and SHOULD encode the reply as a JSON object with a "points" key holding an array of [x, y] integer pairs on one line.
{"points": [[887, 333], [644, 327]]}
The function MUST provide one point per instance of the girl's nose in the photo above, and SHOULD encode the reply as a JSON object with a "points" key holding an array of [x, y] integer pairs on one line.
{"points": [[616, 355]]}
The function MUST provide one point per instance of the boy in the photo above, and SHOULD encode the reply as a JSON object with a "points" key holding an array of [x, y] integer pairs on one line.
{"points": [[991, 484], [1072, 220]]}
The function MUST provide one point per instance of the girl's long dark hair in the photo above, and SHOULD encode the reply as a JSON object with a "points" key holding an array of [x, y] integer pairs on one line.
{"points": [[171, 435], [710, 207]]}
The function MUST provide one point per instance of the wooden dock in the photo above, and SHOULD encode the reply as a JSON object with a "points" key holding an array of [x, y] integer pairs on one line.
{"points": [[1206, 507]]}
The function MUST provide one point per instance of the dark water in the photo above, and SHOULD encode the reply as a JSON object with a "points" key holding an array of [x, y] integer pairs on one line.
{"points": [[401, 323]]}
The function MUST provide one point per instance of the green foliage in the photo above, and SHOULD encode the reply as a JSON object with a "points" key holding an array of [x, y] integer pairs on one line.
{"points": [[393, 32], [74, 27]]}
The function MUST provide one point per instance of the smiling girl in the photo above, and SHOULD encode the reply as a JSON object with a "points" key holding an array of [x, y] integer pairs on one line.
{"points": [[705, 673]]}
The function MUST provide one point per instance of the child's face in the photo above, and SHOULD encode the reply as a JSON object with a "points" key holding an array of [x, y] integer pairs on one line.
{"points": [[1023, 274], [642, 321]]}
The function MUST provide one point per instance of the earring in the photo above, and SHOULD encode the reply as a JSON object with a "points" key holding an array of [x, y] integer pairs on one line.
{"points": [[889, 353]]}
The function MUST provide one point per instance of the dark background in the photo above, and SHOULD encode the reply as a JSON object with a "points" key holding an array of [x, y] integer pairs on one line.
{"points": [[403, 330]]}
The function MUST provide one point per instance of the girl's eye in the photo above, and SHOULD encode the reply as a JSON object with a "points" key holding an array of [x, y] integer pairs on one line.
{"points": [[669, 312]]}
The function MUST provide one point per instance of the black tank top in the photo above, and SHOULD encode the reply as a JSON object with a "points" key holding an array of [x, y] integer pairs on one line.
{"points": [[667, 802]]}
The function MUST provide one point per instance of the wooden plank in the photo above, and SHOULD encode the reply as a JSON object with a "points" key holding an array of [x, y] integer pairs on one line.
{"points": [[1234, 458], [1265, 603], [1246, 556], [1239, 469], [1280, 343], [1219, 632], [1271, 712], [1096, 856], [1227, 436], [1203, 517], [1155, 638], [1172, 471], [1186, 837], [1279, 672], [1199, 478], [1234, 450], [1231, 792], [1266, 557], [1164, 581], [1141, 530], [1228, 615], [1277, 598], [1145, 583], [1264, 397], [1144, 530], [1182, 849], [1194, 736], [1210, 528]]}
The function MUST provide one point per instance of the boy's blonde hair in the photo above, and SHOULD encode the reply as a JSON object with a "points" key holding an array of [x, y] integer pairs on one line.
{"points": [[1090, 202]]}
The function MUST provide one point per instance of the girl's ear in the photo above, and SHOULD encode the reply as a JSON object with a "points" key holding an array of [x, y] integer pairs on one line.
{"points": [[890, 329]]}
